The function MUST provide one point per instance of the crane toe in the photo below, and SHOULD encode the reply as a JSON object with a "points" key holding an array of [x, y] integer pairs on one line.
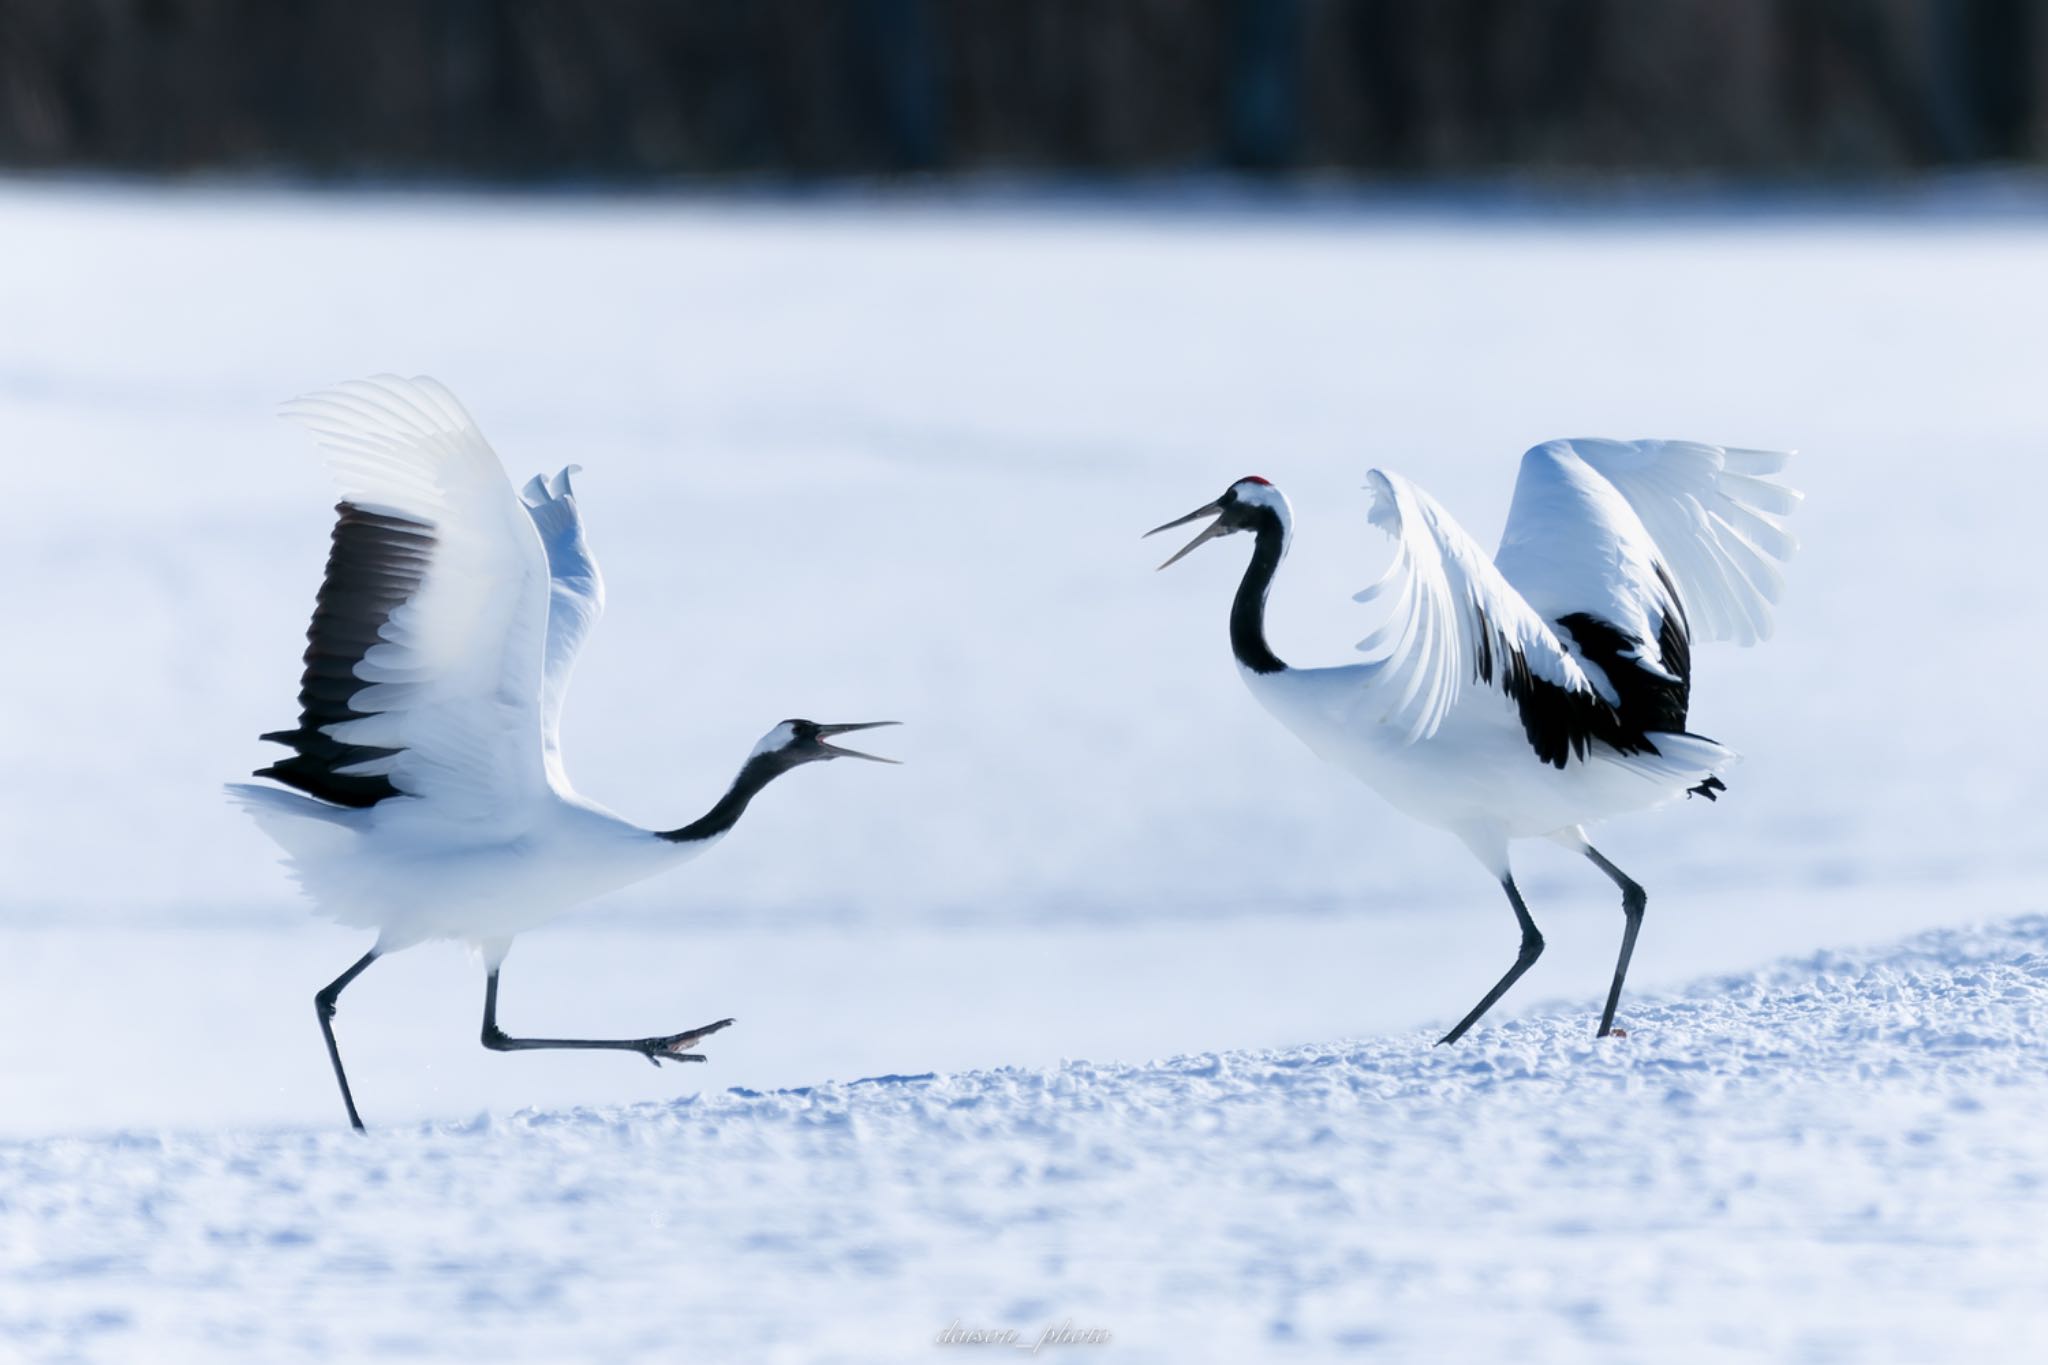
{"points": [[675, 1047]]}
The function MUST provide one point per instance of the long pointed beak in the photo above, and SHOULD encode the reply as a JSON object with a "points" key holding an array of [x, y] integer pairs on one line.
{"points": [[1213, 530], [826, 731]]}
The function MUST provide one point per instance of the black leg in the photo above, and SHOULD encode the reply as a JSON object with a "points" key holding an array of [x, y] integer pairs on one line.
{"points": [[1633, 899], [674, 1047], [323, 1006], [1532, 948]]}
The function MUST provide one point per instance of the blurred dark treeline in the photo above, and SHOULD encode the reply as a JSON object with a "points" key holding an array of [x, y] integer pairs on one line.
{"points": [[629, 89]]}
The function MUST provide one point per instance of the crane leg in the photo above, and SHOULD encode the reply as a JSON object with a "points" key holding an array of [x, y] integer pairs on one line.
{"points": [[1633, 899], [1532, 948], [323, 1006], [674, 1047]]}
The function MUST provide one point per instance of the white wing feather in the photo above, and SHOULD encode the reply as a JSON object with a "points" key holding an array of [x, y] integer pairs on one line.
{"points": [[1573, 544], [457, 672], [575, 598], [1452, 617], [1714, 516]]}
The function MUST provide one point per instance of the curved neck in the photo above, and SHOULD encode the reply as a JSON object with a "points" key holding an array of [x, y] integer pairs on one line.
{"points": [[755, 774], [1248, 612]]}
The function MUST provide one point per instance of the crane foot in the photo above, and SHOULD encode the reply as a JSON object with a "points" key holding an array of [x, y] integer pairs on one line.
{"points": [[675, 1047]]}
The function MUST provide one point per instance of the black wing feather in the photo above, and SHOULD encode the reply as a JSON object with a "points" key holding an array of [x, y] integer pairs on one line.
{"points": [[376, 564], [1647, 702]]}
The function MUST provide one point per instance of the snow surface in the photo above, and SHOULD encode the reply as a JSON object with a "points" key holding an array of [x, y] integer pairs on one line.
{"points": [[862, 460], [1841, 1158]]}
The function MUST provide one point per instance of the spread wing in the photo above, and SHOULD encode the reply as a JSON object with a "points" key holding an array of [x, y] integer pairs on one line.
{"points": [[424, 659], [1453, 621], [1713, 514], [575, 597], [1579, 554]]}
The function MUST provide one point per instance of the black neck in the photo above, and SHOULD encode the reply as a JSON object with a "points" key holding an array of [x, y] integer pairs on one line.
{"points": [[757, 773], [1248, 612]]}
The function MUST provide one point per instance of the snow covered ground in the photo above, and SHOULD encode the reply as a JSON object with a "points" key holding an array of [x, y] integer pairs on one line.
{"points": [[1841, 1158], [858, 460]]}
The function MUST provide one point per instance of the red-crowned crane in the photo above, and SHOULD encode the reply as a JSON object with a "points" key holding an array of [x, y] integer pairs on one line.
{"points": [[426, 795], [1523, 696]]}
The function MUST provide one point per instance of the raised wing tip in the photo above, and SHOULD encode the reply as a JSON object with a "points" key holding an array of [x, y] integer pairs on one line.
{"points": [[1385, 511], [417, 388], [1755, 462], [541, 490]]}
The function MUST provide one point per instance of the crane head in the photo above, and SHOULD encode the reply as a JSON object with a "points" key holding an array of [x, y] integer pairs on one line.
{"points": [[1244, 506], [793, 742]]}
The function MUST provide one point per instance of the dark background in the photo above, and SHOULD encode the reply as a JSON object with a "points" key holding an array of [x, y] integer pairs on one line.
{"points": [[627, 90]]}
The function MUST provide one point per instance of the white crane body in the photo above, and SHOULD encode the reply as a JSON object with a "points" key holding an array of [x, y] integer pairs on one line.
{"points": [[1473, 777], [379, 869]]}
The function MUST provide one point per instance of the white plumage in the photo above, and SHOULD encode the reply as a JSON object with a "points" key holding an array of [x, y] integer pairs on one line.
{"points": [[429, 795], [575, 601], [1524, 695], [1449, 610], [456, 675]]}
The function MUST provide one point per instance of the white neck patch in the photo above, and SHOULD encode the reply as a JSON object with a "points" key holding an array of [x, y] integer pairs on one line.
{"points": [[1254, 494], [781, 737]]}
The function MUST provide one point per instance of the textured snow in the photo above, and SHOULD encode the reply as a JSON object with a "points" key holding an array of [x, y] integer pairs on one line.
{"points": [[1843, 1157]]}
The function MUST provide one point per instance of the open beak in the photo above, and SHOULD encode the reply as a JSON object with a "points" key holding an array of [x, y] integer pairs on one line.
{"points": [[1213, 530], [825, 732]]}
